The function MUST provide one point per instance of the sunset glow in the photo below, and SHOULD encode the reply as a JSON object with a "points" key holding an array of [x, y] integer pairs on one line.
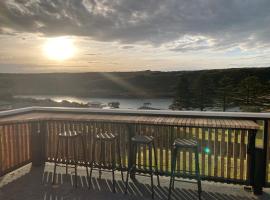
{"points": [[60, 48], [91, 36]]}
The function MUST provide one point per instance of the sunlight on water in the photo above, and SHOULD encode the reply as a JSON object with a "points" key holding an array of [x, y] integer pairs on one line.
{"points": [[124, 103]]}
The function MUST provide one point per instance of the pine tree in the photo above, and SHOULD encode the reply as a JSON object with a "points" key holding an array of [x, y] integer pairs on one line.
{"points": [[203, 92], [225, 92], [183, 95], [250, 89]]}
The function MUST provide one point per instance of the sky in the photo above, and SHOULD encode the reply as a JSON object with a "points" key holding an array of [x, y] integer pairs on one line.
{"points": [[133, 35]]}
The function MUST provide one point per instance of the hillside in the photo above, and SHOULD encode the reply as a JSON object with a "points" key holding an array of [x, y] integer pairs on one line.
{"points": [[116, 84]]}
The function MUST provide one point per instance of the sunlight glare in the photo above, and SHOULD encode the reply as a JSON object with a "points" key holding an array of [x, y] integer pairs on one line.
{"points": [[60, 48]]}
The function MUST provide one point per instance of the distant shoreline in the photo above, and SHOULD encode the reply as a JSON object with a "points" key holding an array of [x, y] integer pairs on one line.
{"points": [[132, 103]]}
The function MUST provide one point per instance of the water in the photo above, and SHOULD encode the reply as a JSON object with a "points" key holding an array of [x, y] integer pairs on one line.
{"points": [[161, 103]]}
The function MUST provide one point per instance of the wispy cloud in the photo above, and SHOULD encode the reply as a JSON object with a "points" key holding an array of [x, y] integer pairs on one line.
{"points": [[128, 35], [231, 22]]}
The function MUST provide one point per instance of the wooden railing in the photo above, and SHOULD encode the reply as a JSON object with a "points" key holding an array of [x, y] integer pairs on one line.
{"points": [[23, 140], [226, 160], [15, 144]]}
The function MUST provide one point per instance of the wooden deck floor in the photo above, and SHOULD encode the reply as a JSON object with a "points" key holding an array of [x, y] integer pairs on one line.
{"points": [[29, 183]]}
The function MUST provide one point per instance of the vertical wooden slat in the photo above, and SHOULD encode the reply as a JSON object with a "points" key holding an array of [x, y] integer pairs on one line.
{"points": [[12, 138], [248, 157], [22, 149], [28, 141], [144, 148], [5, 151], [1, 150], [268, 154], [235, 155], [9, 145], [184, 133], [222, 153], [179, 157], [22, 143], [216, 150], [209, 155], [202, 151], [167, 148], [122, 145], [190, 152], [229, 153], [18, 133], [159, 131], [197, 135], [242, 153], [49, 144]]}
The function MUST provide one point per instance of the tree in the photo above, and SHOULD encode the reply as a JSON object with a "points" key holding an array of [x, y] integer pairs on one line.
{"points": [[183, 95], [225, 92], [203, 92], [250, 89]]}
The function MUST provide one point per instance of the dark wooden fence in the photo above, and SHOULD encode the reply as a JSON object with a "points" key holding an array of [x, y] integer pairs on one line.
{"points": [[227, 160], [223, 152], [15, 146]]}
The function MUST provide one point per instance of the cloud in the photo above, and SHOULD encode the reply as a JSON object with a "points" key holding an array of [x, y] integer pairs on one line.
{"points": [[127, 47], [91, 54], [226, 24]]}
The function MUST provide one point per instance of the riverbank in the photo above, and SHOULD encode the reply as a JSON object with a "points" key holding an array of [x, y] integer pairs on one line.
{"points": [[124, 103], [17, 102]]}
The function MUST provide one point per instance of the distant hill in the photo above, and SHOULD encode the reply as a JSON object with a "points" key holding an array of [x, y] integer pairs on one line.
{"points": [[152, 84]]}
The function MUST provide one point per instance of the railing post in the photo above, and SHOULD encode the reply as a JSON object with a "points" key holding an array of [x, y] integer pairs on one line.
{"points": [[251, 154], [38, 130], [255, 166], [259, 177], [265, 149], [261, 163], [1, 149]]}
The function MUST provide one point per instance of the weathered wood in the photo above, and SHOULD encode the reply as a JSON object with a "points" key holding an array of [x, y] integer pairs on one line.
{"points": [[267, 174], [131, 133], [216, 152], [225, 146], [1, 150], [251, 156], [222, 153], [229, 153], [242, 153], [136, 119], [13, 147], [235, 155], [38, 143]]}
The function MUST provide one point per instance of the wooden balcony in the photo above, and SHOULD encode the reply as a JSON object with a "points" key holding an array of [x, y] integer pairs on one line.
{"points": [[238, 153]]}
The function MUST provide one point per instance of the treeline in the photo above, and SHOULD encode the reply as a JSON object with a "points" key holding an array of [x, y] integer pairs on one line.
{"points": [[247, 88], [143, 84], [220, 91]]}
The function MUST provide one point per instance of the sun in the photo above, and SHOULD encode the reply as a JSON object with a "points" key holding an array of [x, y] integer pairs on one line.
{"points": [[59, 48]]}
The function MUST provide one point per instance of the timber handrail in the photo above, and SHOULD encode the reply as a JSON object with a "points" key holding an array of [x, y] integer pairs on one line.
{"points": [[207, 114]]}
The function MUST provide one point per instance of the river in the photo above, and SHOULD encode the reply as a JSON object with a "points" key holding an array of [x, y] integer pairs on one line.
{"points": [[160, 103]]}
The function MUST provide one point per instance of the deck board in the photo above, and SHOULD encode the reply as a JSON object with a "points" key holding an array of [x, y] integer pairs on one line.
{"points": [[35, 184]]}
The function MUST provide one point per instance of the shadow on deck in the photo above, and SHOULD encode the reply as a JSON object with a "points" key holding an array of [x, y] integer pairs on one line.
{"points": [[29, 183]]}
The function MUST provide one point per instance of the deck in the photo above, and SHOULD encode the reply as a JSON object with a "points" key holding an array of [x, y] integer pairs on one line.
{"points": [[34, 183], [233, 159]]}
